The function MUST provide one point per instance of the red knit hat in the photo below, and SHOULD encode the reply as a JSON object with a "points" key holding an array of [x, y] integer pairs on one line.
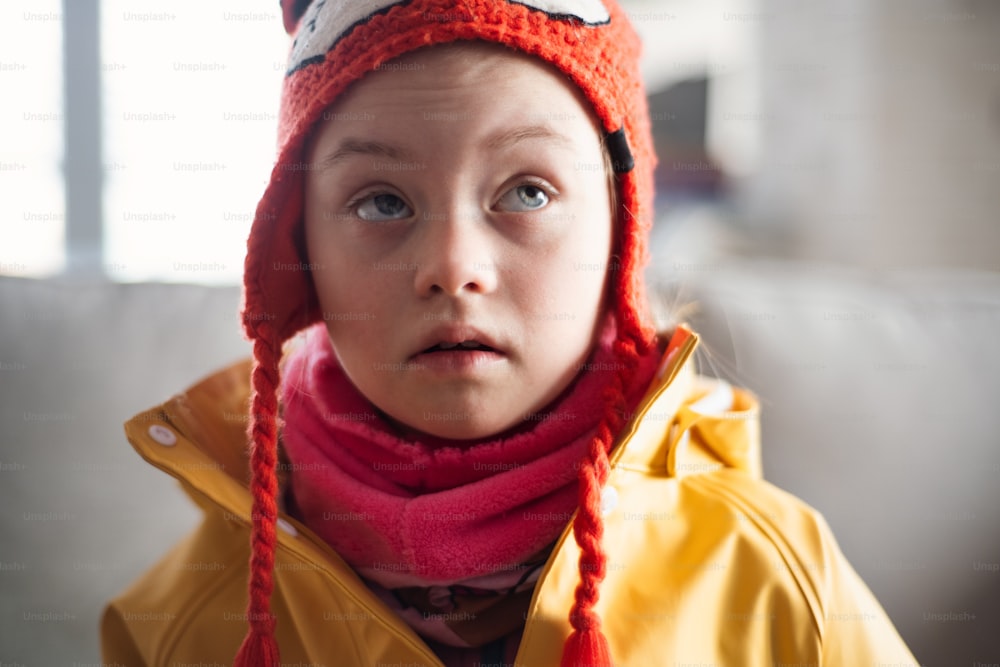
{"points": [[338, 42]]}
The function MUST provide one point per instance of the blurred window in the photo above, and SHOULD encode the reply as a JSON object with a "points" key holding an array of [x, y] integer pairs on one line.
{"points": [[32, 198], [188, 96]]}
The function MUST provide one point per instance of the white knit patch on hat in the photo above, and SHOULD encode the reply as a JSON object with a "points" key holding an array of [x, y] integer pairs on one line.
{"points": [[325, 22], [591, 12]]}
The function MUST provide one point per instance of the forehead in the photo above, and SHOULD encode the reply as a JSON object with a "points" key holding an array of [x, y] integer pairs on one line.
{"points": [[327, 21]]}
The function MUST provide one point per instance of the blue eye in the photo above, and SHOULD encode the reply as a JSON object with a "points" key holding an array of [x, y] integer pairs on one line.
{"points": [[527, 197], [383, 207]]}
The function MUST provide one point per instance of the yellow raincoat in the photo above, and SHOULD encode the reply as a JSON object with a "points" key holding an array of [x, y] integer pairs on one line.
{"points": [[707, 563]]}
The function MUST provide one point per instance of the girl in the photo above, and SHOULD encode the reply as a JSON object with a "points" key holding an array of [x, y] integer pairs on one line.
{"points": [[480, 452]]}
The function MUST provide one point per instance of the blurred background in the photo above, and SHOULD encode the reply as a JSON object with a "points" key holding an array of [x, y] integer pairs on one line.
{"points": [[828, 197]]}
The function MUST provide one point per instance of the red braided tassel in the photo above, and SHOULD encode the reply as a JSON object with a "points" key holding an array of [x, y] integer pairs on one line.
{"points": [[588, 648], [260, 648]]}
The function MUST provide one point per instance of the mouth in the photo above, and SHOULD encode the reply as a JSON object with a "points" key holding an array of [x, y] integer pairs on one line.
{"points": [[458, 350], [463, 346]]}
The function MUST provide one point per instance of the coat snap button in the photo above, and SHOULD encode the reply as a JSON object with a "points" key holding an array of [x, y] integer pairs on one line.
{"points": [[609, 500], [162, 435], [287, 527]]}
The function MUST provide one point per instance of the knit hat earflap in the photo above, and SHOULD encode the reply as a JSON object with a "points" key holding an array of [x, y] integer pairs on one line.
{"points": [[337, 42]]}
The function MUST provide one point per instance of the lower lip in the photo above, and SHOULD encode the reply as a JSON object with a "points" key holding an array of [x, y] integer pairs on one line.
{"points": [[455, 361]]}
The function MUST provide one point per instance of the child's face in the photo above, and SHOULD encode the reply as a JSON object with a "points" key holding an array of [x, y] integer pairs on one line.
{"points": [[459, 196]]}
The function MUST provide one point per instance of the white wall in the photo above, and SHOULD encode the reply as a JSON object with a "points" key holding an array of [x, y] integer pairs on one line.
{"points": [[879, 125]]}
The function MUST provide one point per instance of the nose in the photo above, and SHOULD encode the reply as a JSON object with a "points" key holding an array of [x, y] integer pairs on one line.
{"points": [[456, 254]]}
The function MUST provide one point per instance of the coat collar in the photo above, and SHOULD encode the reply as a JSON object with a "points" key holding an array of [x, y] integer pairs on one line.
{"points": [[684, 425], [679, 403]]}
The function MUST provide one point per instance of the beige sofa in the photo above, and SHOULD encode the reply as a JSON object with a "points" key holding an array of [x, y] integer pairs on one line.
{"points": [[880, 408]]}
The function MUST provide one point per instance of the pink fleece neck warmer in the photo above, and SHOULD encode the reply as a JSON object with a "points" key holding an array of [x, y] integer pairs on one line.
{"points": [[435, 513]]}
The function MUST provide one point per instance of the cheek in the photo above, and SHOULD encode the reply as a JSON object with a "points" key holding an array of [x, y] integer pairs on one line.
{"points": [[341, 278], [564, 289], [347, 303], [361, 299], [589, 250]]}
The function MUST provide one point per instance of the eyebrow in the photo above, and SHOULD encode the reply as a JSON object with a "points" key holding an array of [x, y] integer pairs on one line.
{"points": [[351, 147], [512, 137], [505, 139]]}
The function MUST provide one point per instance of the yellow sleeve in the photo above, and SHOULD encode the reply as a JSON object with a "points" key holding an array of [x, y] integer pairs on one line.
{"points": [[856, 631], [118, 646], [849, 625]]}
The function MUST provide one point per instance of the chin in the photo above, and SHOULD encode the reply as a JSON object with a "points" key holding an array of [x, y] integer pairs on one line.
{"points": [[458, 424], [459, 431]]}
